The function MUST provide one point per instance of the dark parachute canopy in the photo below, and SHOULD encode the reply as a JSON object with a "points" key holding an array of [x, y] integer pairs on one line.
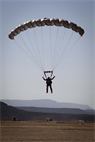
{"points": [[57, 46], [47, 22]]}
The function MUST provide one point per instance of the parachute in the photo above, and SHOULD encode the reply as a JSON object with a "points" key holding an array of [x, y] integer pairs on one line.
{"points": [[57, 45]]}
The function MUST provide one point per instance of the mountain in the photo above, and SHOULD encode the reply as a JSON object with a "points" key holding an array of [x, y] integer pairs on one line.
{"points": [[45, 103], [57, 110], [9, 112]]}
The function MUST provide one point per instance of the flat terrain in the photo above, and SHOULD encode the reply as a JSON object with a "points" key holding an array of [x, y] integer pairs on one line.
{"points": [[54, 131]]}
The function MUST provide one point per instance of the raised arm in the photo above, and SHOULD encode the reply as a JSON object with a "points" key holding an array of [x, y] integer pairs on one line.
{"points": [[52, 78], [44, 78]]}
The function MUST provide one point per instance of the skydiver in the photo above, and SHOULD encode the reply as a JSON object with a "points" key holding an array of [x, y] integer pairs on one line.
{"points": [[48, 83]]}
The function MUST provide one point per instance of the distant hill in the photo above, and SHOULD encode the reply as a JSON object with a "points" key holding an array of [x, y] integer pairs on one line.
{"points": [[45, 103], [9, 112], [57, 110]]}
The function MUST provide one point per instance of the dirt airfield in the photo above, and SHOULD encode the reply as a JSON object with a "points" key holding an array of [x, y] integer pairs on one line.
{"points": [[43, 131]]}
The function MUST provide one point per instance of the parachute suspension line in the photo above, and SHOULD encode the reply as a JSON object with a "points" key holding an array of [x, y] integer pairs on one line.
{"points": [[59, 46], [34, 49], [31, 53], [27, 47], [67, 53], [63, 51], [37, 45], [29, 50], [51, 47], [59, 58], [42, 47], [18, 44], [55, 48]]}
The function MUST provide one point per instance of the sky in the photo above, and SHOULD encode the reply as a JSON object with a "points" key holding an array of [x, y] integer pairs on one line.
{"points": [[21, 78]]}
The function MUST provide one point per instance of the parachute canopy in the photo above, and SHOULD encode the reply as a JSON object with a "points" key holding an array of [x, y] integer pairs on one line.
{"points": [[48, 39], [47, 22]]}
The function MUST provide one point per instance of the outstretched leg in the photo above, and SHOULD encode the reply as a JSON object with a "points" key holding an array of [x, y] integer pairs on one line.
{"points": [[51, 89]]}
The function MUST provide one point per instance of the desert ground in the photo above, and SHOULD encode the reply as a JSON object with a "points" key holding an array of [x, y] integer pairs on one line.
{"points": [[43, 131]]}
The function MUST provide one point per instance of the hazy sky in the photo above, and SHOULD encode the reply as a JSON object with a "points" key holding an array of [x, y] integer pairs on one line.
{"points": [[20, 78]]}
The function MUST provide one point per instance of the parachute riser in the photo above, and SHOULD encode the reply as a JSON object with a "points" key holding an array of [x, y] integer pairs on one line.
{"points": [[46, 72]]}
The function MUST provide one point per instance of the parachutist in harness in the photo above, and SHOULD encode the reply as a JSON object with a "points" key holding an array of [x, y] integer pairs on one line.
{"points": [[48, 81]]}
